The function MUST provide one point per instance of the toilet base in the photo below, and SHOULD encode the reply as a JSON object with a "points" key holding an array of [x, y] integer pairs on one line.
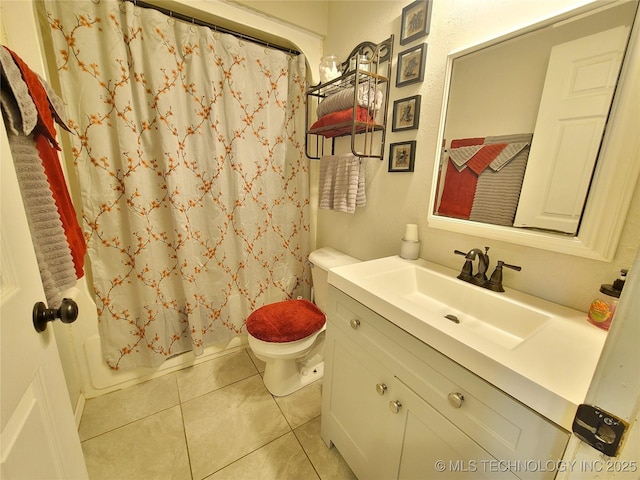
{"points": [[283, 377]]}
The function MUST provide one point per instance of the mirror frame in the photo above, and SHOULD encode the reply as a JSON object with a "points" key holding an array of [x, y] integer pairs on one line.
{"points": [[616, 173]]}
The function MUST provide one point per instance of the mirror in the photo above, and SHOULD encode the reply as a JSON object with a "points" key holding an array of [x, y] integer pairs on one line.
{"points": [[524, 160]]}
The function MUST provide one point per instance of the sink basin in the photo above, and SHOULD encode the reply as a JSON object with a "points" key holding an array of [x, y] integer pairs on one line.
{"points": [[460, 307]]}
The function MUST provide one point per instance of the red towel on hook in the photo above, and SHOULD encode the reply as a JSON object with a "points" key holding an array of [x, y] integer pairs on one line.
{"points": [[459, 187], [45, 138]]}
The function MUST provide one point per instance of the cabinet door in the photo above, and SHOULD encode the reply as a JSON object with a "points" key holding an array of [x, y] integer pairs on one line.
{"points": [[355, 414], [432, 447]]}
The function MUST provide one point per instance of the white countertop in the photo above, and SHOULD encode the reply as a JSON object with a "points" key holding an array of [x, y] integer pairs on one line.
{"points": [[550, 371]]}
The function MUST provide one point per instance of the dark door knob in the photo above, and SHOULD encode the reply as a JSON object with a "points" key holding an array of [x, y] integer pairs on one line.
{"points": [[67, 313]]}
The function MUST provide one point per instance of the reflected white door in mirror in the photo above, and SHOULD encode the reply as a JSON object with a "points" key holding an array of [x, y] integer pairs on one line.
{"points": [[539, 129], [578, 90]]}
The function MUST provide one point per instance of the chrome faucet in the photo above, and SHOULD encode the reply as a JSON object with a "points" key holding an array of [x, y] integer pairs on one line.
{"points": [[480, 277]]}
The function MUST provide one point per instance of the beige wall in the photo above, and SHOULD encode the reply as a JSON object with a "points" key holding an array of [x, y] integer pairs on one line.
{"points": [[395, 199], [311, 15]]}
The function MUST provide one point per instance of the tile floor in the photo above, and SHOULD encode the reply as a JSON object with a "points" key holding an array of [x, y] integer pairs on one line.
{"points": [[213, 421]]}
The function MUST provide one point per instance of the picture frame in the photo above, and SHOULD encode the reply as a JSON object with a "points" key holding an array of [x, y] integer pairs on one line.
{"points": [[406, 113], [402, 156], [410, 66], [416, 18]]}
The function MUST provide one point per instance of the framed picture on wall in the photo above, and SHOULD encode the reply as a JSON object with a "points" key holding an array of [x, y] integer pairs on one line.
{"points": [[402, 156], [406, 113], [416, 18], [410, 68]]}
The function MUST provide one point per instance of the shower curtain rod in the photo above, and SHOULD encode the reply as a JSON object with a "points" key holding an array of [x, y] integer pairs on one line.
{"points": [[213, 26]]}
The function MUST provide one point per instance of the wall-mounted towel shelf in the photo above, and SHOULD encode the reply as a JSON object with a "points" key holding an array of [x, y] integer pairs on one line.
{"points": [[354, 104]]}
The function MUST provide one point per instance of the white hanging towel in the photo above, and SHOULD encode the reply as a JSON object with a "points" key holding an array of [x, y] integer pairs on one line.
{"points": [[342, 184]]}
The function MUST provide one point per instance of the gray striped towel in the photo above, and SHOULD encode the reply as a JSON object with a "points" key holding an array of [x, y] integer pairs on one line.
{"points": [[341, 183], [498, 188]]}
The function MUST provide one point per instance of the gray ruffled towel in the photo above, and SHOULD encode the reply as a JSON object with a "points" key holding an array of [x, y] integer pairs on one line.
{"points": [[341, 183], [50, 242]]}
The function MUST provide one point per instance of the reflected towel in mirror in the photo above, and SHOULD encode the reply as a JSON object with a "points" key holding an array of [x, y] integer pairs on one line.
{"points": [[498, 189], [459, 186], [481, 184]]}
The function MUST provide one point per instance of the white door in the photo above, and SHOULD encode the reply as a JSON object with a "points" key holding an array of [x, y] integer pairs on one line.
{"points": [[578, 89], [39, 439]]}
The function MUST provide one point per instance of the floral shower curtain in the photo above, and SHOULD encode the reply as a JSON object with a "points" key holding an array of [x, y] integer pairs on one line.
{"points": [[192, 172]]}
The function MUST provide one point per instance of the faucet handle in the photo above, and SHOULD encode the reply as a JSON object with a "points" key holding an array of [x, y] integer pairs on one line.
{"points": [[495, 282], [512, 267], [467, 270]]}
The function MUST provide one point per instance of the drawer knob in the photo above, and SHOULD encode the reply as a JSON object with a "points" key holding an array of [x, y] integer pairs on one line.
{"points": [[355, 323], [395, 406], [455, 399], [381, 388]]}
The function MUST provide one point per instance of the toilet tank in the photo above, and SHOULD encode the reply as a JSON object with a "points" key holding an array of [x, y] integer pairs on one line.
{"points": [[322, 260]]}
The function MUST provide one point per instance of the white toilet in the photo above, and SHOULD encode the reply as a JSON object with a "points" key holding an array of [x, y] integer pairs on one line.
{"points": [[289, 335]]}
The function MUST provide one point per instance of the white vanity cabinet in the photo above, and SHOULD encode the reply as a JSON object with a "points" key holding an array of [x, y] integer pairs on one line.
{"points": [[396, 408]]}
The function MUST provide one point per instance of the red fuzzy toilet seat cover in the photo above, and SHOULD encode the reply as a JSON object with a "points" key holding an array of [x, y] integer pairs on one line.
{"points": [[285, 321]]}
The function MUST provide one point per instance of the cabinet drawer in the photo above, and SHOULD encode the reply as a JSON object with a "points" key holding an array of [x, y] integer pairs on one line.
{"points": [[504, 427]]}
